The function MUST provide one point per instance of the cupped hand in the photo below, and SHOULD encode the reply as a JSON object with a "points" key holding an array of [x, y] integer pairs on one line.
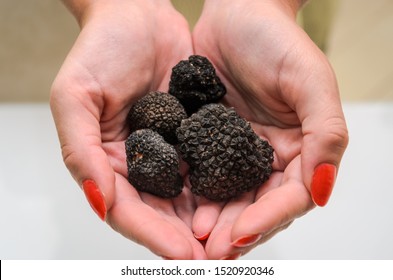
{"points": [[283, 84], [124, 50]]}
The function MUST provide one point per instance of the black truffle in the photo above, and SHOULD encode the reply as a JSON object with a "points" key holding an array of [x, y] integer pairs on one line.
{"points": [[195, 83], [157, 111], [225, 156], [153, 164]]}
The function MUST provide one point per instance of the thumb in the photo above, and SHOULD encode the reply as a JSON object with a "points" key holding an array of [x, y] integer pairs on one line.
{"points": [[309, 86], [325, 135], [77, 123], [324, 142]]}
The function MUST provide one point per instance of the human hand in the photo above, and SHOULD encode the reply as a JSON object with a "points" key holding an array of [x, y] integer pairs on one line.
{"points": [[280, 81], [124, 50]]}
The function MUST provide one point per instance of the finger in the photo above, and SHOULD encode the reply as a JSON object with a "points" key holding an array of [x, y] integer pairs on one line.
{"points": [[76, 113], [175, 213], [310, 87], [205, 216], [218, 245], [282, 204], [160, 231], [265, 238], [181, 207], [185, 206], [185, 203]]}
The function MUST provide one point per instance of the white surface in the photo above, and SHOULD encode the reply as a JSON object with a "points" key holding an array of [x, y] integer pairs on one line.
{"points": [[44, 215]]}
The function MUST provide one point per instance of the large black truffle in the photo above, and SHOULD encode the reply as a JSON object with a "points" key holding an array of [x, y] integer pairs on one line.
{"points": [[153, 164], [225, 156], [195, 83], [157, 111]]}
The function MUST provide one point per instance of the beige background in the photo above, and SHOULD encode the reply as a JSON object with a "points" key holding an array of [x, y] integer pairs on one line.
{"points": [[35, 37]]}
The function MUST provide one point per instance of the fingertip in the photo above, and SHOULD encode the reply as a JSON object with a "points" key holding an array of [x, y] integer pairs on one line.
{"points": [[247, 240], [159, 231], [321, 157], [233, 256], [95, 198], [94, 174], [202, 237], [205, 218], [322, 183], [178, 246], [180, 250]]}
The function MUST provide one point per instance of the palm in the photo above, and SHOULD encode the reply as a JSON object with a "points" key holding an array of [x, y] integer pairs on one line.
{"points": [[165, 223], [114, 62], [255, 75]]}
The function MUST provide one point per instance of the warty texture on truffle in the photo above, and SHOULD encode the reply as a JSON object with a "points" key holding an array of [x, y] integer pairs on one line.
{"points": [[195, 83], [153, 164], [225, 156], [157, 111]]}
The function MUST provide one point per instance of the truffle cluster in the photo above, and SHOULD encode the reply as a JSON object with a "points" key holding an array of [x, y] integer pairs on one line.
{"points": [[195, 83], [225, 156]]}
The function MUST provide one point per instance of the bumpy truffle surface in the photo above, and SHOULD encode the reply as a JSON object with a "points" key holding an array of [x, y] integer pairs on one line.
{"points": [[153, 164], [225, 156], [158, 111], [195, 83]]}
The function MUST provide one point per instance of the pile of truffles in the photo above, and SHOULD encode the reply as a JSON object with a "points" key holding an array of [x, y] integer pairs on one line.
{"points": [[225, 156]]}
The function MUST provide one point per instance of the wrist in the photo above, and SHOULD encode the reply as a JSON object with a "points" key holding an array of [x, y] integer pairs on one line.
{"points": [[77, 8], [288, 7], [295, 5], [82, 10]]}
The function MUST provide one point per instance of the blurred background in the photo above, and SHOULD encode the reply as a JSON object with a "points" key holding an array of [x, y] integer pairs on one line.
{"points": [[44, 215], [357, 35]]}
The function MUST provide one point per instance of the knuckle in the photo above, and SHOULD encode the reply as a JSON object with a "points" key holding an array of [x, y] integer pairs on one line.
{"points": [[70, 158], [337, 133]]}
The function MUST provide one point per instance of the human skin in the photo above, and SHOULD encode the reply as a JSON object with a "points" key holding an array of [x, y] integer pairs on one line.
{"points": [[276, 78], [124, 50], [283, 84]]}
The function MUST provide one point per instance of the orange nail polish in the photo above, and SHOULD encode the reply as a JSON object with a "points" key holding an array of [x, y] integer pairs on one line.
{"points": [[247, 240], [95, 198], [322, 183], [203, 237]]}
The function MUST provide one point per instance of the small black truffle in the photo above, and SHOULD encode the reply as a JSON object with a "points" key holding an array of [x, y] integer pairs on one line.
{"points": [[153, 164], [195, 83], [225, 156], [157, 111]]}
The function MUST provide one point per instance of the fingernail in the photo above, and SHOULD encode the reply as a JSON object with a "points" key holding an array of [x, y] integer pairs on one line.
{"points": [[95, 198], [203, 237], [322, 183], [247, 240], [232, 257]]}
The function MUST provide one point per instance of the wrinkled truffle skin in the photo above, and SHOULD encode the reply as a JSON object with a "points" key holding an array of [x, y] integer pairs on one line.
{"points": [[225, 156], [195, 83], [153, 164], [157, 111]]}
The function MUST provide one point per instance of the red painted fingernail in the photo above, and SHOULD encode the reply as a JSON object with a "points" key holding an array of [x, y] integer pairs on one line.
{"points": [[232, 257], [95, 198], [247, 240], [203, 237], [322, 183]]}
